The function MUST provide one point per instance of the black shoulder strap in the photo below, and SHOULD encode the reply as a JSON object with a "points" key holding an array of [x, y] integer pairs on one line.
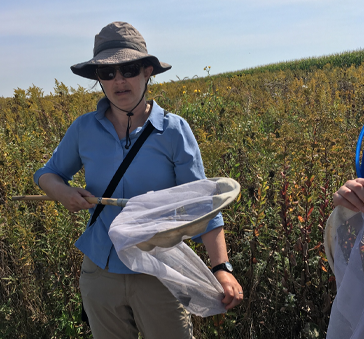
{"points": [[122, 168]]}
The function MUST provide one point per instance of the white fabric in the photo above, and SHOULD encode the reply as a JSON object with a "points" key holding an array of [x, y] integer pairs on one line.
{"points": [[347, 313], [338, 217], [177, 267], [183, 273]]}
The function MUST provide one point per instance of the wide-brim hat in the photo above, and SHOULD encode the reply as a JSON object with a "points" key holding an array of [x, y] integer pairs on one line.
{"points": [[118, 43]]}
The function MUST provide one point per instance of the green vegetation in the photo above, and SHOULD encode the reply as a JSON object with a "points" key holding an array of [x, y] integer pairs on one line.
{"points": [[287, 133], [345, 59]]}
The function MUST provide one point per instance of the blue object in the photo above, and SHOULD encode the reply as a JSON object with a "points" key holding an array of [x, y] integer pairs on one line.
{"points": [[359, 167]]}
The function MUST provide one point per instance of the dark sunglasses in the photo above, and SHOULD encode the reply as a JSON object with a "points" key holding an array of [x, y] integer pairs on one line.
{"points": [[127, 71]]}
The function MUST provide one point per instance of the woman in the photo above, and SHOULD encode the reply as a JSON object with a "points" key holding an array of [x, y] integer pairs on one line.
{"points": [[120, 303]]}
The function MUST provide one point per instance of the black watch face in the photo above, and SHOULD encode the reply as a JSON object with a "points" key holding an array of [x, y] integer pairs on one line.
{"points": [[229, 266]]}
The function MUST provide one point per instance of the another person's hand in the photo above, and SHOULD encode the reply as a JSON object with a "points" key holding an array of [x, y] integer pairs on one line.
{"points": [[351, 195], [232, 290]]}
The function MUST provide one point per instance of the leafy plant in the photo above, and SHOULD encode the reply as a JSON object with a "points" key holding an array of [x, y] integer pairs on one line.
{"points": [[286, 133]]}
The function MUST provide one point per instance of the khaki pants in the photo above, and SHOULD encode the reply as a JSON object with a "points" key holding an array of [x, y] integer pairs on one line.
{"points": [[121, 305]]}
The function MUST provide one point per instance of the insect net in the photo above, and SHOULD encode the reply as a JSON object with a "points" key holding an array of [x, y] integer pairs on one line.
{"points": [[176, 265], [344, 246]]}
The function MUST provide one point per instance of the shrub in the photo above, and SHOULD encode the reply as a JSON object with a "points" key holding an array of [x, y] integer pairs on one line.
{"points": [[287, 136]]}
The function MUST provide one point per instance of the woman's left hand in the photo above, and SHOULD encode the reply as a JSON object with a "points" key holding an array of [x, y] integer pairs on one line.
{"points": [[216, 248], [232, 290]]}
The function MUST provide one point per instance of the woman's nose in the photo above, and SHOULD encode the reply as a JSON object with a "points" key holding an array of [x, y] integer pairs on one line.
{"points": [[119, 76]]}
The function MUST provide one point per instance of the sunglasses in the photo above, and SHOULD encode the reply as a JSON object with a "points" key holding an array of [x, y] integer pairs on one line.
{"points": [[127, 71]]}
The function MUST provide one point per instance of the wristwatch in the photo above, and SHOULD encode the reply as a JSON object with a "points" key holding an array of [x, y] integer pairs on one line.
{"points": [[226, 266]]}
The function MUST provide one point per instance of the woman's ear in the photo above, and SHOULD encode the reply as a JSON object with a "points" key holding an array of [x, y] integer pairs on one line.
{"points": [[148, 71]]}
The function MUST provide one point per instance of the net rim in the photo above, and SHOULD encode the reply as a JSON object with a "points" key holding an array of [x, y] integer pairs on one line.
{"points": [[229, 189]]}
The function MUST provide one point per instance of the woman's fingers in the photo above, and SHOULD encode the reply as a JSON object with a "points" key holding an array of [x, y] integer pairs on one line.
{"points": [[233, 292], [73, 199]]}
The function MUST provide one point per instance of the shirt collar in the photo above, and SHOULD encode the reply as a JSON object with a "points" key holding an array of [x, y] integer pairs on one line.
{"points": [[102, 106], [156, 116]]}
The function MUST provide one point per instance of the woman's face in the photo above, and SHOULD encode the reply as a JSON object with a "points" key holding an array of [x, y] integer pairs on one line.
{"points": [[124, 91]]}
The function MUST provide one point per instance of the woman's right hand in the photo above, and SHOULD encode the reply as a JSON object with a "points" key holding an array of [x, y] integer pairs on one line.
{"points": [[351, 195], [71, 198]]}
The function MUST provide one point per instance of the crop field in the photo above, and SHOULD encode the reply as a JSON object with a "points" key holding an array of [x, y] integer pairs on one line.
{"points": [[286, 132]]}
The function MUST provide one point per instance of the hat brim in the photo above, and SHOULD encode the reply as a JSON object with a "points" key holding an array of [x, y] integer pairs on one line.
{"points": [[228, 190], [117, 56]]}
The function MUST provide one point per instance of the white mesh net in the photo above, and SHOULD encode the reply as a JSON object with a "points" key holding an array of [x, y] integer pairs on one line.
{"points": [[182, 272], [164, 213], [345, 243]]}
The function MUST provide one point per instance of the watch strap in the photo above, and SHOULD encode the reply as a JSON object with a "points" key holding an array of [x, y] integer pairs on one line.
{"points": [[223, 267]]}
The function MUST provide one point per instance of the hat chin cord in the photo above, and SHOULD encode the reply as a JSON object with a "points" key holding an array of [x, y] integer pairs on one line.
{"points": [[128, 113]]}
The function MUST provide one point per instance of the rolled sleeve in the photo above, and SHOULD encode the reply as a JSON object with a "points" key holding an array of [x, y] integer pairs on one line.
{"points": [[216, 222], [187, 159], [65, 161], [189, 166]]}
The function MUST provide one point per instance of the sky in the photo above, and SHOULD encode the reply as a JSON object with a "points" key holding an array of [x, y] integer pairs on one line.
{"points": [[41, 39]]}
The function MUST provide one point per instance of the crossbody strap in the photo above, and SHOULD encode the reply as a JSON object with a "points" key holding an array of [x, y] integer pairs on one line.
{"points": [[122, 168]]}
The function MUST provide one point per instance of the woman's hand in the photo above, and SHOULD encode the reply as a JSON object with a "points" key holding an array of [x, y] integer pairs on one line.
{"points": [[215, 244], [232, 290], [351, 195], [71, 198]]}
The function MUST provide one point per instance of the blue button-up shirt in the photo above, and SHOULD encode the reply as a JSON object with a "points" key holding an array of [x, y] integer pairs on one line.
{"points": [[170, 156]]}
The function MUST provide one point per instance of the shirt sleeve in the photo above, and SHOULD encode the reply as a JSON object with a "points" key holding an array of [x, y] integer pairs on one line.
{"points": [[189, 166], [65, 160]]}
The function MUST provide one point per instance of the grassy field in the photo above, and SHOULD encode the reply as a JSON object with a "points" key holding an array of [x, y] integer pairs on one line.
{"points": [[287, 132]]}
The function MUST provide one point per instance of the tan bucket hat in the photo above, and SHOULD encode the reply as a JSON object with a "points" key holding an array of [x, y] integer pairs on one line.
{"points": [[118, 43]]}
